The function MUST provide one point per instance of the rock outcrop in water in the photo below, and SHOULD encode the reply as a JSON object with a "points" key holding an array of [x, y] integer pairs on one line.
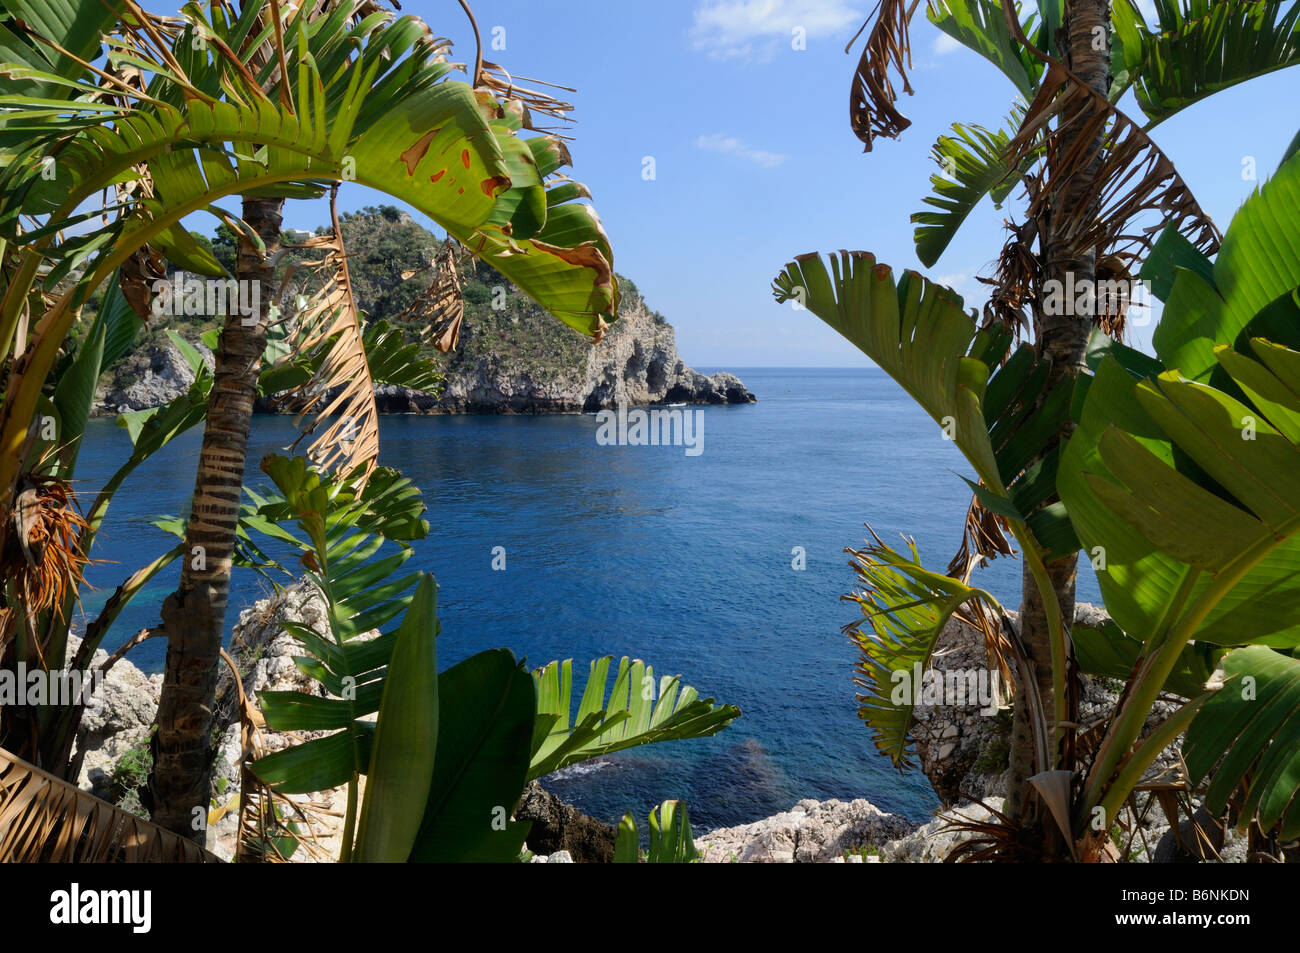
{"points": [[636, 363], [513, 360], [558, 828]]}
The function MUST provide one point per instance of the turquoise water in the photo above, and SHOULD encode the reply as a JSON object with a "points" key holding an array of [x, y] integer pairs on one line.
{"points": [[683, 560]]}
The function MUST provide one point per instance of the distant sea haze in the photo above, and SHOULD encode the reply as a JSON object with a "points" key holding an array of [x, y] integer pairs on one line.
{"points": [[687, 561]]}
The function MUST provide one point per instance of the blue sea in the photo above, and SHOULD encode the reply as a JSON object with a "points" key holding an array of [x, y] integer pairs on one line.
{"points": [[682, 560]]}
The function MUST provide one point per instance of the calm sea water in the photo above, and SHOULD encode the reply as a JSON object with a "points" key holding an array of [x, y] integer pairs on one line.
{"points": [[684, 561]]}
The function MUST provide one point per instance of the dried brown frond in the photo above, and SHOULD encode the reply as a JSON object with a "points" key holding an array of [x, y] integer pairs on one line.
{"points": [[435, 316], [1135, 179], [872, 96], [329, 328], [44, 819], [137, 274], [1002, 839], [998, 650], [1015, 283], [984, 537], [42, 556], [264, 824], [1113, 283], [494, 79], [498, 81], [136, 277]]}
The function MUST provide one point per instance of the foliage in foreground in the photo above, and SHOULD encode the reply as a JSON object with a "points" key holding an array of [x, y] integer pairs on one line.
{"points": [[446, 755], [1180, 472]]}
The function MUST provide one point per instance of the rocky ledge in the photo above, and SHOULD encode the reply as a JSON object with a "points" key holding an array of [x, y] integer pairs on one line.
{"points": [[810, 832], [527, 370], [113, 741], [961, 750], [635, 364]]}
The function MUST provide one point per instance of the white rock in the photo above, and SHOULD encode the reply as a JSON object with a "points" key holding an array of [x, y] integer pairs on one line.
{"points": [[811, 832]]}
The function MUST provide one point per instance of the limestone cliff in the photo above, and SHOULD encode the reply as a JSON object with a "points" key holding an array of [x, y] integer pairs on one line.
{"points": [[527, 370], [515, 359]]}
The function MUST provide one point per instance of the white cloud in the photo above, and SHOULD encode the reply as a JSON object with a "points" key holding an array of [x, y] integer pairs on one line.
{"points": [[944, 44], [731, 146], [756, 29], [961, 282]]}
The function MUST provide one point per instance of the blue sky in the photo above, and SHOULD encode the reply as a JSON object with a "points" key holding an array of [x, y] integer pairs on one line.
{"points": [[754, 160]]}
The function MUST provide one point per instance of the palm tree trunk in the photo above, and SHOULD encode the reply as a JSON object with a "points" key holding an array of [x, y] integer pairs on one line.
{"points": [[1063, 338], [194, 615]]}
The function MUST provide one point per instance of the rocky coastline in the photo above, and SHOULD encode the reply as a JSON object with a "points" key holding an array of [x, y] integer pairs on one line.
{"points": [[961, 750], [635, 364]]}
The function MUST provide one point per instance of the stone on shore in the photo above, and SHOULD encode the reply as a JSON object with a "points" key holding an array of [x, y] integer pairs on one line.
{"points": [[810, 832]]}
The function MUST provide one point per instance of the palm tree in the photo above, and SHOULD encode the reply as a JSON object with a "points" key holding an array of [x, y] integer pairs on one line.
{"points": [[371, 105], [1181, 469], [1090, 174]]}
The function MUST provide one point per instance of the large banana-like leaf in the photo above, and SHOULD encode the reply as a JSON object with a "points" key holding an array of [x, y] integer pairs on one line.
{"points": [[917, 332], [632, 715], [346, 530], [1220, 458], [907, 607], [484, 733], [1107, 652], [404, 752], [981, 25], [368, 104], [1255, 718], [47, 820], [1258, 263], [1188, 496], [1200, 47]]}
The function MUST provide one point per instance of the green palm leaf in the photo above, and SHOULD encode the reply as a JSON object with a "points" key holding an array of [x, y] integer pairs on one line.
{"points": [[671, 839], [1255, 718], [1195, 520], [633, 714], [907, 607], [918, 333], [357, 542], [1220, 455], [403, 754], [981, 25], [1200, 47], [483, 742], [1258, 263], [974, 165], [369, 104]]}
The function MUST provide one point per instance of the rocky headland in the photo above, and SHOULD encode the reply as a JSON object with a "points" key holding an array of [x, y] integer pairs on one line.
{"points": [[512, 357]]}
